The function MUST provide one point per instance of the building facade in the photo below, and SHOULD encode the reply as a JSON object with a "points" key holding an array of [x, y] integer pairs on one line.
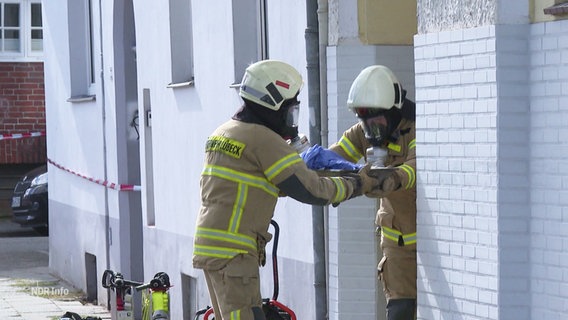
{"points": [[133, 89]]}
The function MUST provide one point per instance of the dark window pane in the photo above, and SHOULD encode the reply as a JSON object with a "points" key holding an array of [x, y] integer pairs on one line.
{"points": [[36, 15], [12, 34], [37, 34], [11, 15]]}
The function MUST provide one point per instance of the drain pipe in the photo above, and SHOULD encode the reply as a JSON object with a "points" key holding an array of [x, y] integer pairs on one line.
{"points": [[314, 102], [322, 35], [108, 237], [108, 234]]}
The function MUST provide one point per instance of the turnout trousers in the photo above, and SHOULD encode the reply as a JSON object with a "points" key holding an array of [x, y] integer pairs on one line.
{"points": [[397, 273], [237, 285]]}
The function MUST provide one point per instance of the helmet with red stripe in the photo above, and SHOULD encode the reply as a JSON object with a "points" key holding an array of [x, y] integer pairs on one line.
{"points": [[270, 83]]}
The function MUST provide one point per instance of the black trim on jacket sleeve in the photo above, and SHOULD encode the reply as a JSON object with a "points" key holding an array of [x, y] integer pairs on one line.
{"points": [[293, 188]]}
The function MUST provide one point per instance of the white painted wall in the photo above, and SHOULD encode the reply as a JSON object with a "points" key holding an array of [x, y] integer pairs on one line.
{"points": [[75, 141], [181, 121]]}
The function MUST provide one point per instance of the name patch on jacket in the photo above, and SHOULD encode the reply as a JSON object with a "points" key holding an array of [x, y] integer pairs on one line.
{"points": [[228, 146]]}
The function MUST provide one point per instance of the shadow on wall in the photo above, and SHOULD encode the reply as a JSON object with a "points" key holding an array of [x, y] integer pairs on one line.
{"points": [[431, 278]]}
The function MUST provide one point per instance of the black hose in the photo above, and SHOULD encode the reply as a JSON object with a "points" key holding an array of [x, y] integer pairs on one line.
{"points": [[275, 259]]}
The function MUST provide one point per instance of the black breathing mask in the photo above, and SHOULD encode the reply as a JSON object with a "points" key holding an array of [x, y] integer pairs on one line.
{"points": [[379, 124]]}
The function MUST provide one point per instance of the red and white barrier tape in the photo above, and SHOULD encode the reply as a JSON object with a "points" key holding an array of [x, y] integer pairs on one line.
{"points": [[21, 135], [110, 185]]}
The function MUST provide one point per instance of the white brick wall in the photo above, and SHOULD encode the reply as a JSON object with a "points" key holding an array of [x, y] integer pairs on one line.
{"points": [[456, 93], [493, 172], [548, 46]]}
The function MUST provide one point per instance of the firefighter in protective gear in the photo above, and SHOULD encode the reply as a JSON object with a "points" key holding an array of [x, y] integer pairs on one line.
{"points": [[248, 164], [387, 121]]}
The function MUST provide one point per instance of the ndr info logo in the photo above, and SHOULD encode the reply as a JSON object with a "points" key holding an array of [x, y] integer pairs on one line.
{"points": [[49, 291]]}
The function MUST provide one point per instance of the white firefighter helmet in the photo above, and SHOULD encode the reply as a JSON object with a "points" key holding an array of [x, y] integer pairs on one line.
{"points": [[376, 87], [269, 83]]}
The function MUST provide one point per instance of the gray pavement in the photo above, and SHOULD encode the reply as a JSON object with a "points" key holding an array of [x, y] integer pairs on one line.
{"points": [[28, 291]]}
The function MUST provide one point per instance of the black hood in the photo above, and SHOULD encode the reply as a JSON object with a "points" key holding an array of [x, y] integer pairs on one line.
{"points": [[251, 112]]}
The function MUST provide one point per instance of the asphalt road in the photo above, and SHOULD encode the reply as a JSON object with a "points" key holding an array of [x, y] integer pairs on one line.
{"points": [[22, 250], [9, 229]]}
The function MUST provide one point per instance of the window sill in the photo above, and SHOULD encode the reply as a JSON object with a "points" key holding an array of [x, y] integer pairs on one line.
{"points": [[557, 9], [81, 98], [180, 84]]}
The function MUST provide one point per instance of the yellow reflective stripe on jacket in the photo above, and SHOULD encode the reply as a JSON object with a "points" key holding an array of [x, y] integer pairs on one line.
{"points": [[282, 164], [341, 193], [239, 177], [411, 175], [238, 207], [412, 144], [350, 149], [221, 235], [393, 146], [235, 315], [395, 235], [217, 252], [410, 171]]}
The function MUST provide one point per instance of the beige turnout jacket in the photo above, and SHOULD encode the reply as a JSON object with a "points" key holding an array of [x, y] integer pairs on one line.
{"points": [[244, 163], [397, 211]]}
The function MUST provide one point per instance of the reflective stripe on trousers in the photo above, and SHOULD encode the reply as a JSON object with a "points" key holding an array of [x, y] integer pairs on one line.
{"points": [[397, 236]]}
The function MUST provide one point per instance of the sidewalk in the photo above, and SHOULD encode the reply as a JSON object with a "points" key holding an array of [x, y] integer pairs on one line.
{"points": [[27, 290]]}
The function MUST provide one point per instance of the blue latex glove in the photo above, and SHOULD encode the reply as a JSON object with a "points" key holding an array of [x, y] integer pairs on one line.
{"points": [[318, 158]]}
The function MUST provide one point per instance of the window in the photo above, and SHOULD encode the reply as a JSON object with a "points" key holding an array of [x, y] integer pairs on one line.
{"points": [[250, 39], [11, 28], [181, 42], [21, 29], [81, 18], [36, 29]]}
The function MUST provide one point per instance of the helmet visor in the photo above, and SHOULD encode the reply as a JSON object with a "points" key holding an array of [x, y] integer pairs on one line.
{"points": [[293, 115]]}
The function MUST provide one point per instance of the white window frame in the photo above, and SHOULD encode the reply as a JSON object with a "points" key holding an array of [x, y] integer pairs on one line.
{"points": [[82, 17], [25, 53], [181, 44], [250, 35]]}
